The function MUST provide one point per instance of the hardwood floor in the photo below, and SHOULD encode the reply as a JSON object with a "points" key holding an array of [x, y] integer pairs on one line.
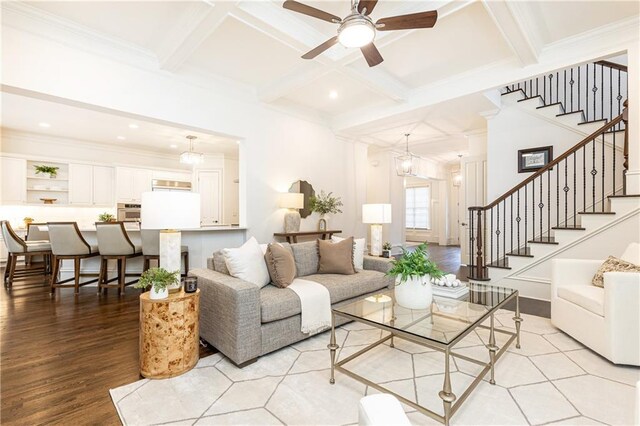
{"points": [[60, 356]]}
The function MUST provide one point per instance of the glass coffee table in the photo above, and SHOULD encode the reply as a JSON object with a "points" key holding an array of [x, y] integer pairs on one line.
{"points": [[443, 325]]}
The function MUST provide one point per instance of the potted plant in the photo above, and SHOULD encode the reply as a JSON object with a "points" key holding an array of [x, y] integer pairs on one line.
{"points": [[386, 249], [325, 204], [413, 272], [159, 279], [106, 217], [27, 220], [48, 171]]}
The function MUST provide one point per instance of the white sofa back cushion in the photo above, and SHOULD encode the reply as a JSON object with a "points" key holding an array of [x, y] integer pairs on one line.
{"points": [[632, 253], [247, 263], [358, 251]]}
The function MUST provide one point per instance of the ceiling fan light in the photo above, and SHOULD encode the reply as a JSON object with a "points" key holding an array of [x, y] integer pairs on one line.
{"points": [[356, 34]]}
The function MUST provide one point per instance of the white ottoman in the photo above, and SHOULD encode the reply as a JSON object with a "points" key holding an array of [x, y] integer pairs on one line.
{"points": [[381, 410]]}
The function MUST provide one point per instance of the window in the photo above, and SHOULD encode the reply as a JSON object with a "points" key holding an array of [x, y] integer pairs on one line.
{"points": [[418, 207]]}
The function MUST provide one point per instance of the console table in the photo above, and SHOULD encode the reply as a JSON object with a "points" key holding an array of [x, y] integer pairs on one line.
{"points": [[292, 237]]}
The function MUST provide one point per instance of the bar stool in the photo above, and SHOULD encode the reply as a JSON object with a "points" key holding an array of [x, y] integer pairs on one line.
{"points": [[17, 247], [67, 243], [36, 232], [114, 243], [151, 249]]}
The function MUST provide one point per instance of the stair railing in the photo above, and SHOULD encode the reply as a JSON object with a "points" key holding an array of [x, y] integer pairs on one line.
{"points": [[597, 89], [576, 182]]}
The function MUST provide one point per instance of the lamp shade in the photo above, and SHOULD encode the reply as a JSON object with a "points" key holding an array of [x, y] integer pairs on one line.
{"points": [[170, 210], [376, 213], [291, 200]]}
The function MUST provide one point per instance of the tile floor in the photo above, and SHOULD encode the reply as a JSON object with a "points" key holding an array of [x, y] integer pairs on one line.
{"points": [[552, 380]]}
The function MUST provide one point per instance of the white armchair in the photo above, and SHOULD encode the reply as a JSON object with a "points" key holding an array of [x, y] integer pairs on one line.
{"points": [[607, 320]]}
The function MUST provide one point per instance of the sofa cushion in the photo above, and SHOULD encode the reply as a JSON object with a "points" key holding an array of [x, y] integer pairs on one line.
{"points": [[281, 266], [613, 264], [219, 265], [306, 257], [279, 303], [589, 297], [336, 258]]}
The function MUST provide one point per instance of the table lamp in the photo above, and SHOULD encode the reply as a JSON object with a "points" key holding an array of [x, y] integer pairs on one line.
{"points": [[169, 212], [376, 215], [293, 201]]}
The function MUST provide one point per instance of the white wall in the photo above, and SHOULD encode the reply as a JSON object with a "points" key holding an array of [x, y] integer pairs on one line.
{"points": [[276, 149]]}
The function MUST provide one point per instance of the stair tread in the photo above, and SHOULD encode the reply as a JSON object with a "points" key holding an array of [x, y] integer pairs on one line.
{"points": [[500, 264], [624, 196], [521, 252], [604, 120], [596, 212], [513, 91], [550, 105], [569, 113], [569, 227], [532, 97], [544, 240]]}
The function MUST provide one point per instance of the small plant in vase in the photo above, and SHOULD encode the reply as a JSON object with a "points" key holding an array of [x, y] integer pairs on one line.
{"points": [[106, 217], [325, 204], [27, 220], [159, 279], [48, 171], [386, 249], [413, 272]]}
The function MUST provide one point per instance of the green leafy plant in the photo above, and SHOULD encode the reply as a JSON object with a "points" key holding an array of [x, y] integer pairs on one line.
{"points": [[325, 203], [53, 171], [386, 246], [159, 278], [414, 264], [106, 217]]}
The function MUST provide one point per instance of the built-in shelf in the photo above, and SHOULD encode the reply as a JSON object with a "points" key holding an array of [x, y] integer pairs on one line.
{"points": [[60, 184], [48, 179], [47, 190]]}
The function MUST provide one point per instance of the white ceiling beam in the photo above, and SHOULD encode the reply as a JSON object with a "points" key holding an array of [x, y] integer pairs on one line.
{"points": [[377, 80], [512, 31], [300, 76], [189, 32]]}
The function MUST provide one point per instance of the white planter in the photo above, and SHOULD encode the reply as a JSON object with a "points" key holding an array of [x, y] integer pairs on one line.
{"points": [[415, 293], [162, 294]]}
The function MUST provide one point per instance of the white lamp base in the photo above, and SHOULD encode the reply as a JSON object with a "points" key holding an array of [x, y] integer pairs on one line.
{"points": [[292, 221], [376, 240], [170, 259]]}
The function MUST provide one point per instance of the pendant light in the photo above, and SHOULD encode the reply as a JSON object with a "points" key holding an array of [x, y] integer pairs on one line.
{"points": [[190, 156], [407, 164]]}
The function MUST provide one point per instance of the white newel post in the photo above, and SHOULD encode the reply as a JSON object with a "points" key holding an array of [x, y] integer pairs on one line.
{"points": [[633, 174]]}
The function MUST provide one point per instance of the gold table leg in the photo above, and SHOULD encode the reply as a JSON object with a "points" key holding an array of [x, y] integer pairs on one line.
{"points": [[391, 323], [493, 348], [445, 394], [518, 320], [332, 346]]}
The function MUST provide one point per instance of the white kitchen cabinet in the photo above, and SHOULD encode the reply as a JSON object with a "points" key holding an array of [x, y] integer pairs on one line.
{"points": [[177, 176], [103, 182], [131, 183], [13, 173], [80, 184], [210, 189]]}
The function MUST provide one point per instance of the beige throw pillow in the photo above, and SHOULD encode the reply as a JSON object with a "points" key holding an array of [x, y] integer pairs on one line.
{"points": [[613, 264], [281, 265], [336, 258]]}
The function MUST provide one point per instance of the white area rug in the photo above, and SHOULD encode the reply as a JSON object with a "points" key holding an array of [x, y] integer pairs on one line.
{"points": [[552, 380]]}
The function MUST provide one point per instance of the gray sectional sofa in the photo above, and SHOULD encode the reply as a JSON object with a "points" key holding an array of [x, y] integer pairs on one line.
{"points": [[244, 322]]}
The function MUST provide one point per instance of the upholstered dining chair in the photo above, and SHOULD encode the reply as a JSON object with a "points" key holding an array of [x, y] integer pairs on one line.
{"points": [[17, 247], [114, 244], [67, 243], [151, 249], [36, 232]]}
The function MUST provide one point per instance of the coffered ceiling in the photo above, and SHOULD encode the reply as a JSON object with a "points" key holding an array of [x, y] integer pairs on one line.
{"points": [[255, 47]]}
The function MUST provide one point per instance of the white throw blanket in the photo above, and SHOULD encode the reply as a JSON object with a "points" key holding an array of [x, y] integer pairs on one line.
{"points": [[315, 303]]}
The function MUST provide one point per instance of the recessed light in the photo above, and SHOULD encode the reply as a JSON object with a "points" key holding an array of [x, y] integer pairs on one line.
{"points": [[133, 126], [238, 142], [173, 146], [121, 138], [333, 94], [45, 125]]}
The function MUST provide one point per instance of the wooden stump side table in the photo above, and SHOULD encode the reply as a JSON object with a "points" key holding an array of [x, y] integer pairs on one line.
{"points": [[169, 334]]}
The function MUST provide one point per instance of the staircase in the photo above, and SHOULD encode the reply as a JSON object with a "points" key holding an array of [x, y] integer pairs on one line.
{"points": [[580, 193]]}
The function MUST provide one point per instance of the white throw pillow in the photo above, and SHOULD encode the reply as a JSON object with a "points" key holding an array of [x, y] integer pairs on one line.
{"points": [[247, 263], [358, 251]]}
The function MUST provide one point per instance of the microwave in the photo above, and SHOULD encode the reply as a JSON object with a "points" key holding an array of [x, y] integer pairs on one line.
{"points": [[129, 212]]}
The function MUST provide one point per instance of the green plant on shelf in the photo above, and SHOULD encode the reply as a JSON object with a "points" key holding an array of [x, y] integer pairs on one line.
{"points": [[325, 203], [50, 170], [386, 246], [159, 278], [106, 217], [414, 264]]}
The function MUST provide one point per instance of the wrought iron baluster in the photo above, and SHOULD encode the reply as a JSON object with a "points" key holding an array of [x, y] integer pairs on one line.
{"points": [[541, 205], [574, 191], [579, 108], [603, 172], [537, 93], [511, 222], [504, 228], [497, 234], [491, 238], [471, 240], [557, 87], [518, 219], [593, 176], [586, 102], [614, 161], [566, 191], [533, 209], [548, 202], [571, 89], [595, 90], [601, 91], [526, 239], [611, 94], [558, 195]]}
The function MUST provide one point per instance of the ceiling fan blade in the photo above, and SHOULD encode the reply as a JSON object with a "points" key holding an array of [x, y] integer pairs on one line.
{"points": [[367, 4], [371, 54], [310, 11], [408, 22], [318, 50]]}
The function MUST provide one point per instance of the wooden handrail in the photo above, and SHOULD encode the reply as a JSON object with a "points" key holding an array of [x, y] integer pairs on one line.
{"points": [[551, 164], [612, 65]]}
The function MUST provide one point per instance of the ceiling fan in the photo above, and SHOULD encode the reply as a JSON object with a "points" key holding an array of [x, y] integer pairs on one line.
{"points": [[359, 30]]}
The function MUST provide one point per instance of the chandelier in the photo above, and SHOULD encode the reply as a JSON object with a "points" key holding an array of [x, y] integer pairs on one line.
{"points": [[407, 164], [190, 156]]}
